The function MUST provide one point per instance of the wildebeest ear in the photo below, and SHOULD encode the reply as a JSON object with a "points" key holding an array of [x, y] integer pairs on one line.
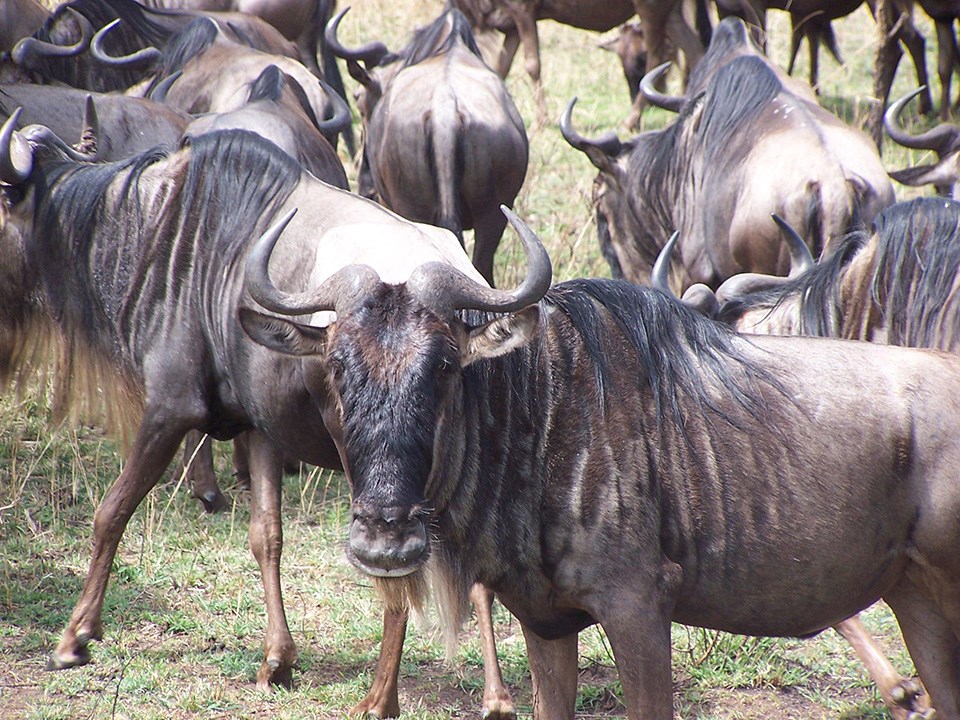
{"points": [[944, 172], [284, 336], [500, 336], [360, 74]]}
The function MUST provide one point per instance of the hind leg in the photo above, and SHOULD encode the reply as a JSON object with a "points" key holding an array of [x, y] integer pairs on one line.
{"points": [[928, 611], [198, 466]]}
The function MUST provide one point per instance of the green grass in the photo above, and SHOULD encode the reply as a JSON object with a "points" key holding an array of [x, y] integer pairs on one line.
{"points": [[184, 618]]}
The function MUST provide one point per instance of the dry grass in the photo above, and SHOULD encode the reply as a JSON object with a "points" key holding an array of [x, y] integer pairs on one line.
{"points": [[184, 619]]}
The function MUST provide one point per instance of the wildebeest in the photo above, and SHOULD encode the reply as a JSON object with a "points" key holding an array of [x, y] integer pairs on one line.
{"points": [[744, 146], [299, 20], [203, 70], [444, 142], [122, 126], [645, 465], [944, 140], [892, 286], [663, 25], [133, 272]]}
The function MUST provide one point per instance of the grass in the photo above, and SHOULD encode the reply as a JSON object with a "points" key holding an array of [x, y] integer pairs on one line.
{"points": [[184, 617]]}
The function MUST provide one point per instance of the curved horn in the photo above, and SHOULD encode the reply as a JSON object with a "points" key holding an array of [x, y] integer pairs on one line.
{"points": [[16, 156], [348, 282], [140, 58], [660, 275], [607, 145], [696, 297], [444, 287], [940, 139], [341, 113], [371, 53], [745, 283], [160, 90], [30, 49], [801, 258], [654, 96]]}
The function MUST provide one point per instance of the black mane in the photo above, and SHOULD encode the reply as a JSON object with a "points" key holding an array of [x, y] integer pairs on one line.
{"points": [[681, 352], [183, 46], [231, 188], [916, 268], [918, 264], [816, 289], [735, 96]]}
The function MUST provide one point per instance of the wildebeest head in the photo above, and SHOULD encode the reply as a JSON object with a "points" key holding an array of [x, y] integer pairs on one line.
{"points": [[944, 140], [392, 361]]}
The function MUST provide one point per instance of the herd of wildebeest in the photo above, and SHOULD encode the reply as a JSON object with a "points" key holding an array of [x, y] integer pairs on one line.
{"points": [[697, 440]]}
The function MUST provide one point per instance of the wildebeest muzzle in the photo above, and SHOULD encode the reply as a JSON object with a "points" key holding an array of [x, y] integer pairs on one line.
{"points": [[387, 541]]}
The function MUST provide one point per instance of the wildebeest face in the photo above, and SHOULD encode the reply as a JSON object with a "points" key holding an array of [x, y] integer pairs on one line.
{"points": [[393, 367]]}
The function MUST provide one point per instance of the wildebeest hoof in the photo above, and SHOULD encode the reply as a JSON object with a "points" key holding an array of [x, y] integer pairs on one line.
{"points": [[499, 711], [273, 674], [906, 692], [62, 661], [214, 501], [376, 707]]}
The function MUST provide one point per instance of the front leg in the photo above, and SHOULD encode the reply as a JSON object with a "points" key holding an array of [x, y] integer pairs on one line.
{"points": [[383, 701], [636, 618], [266, 543], [154, 447], [497, 703], [553, 675]]}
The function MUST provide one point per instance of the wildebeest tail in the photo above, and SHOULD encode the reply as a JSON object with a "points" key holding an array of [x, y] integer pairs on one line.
{"points": [[445, 155]]}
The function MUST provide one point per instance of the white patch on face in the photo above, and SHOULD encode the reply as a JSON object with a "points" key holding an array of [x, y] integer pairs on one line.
{"points": [[393, 250]]}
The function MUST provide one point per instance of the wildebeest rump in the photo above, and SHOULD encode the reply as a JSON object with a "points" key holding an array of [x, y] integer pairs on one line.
{"points": [[645, 465], [744, 146], [444, 142]]}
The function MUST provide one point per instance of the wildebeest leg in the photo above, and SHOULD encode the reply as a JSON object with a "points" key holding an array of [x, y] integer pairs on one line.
{"points": [[885, 66], [266, 542], [931, 631], [497, 703], [640, 640], [522, 15], [383, 701], [946, 62], [487, 231], [511, 42], [553, 675], [153, 449], [916, 46], [198, 464], [813, 46], [685, 39], [241, 460], [653, 20], [901, 695]]}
